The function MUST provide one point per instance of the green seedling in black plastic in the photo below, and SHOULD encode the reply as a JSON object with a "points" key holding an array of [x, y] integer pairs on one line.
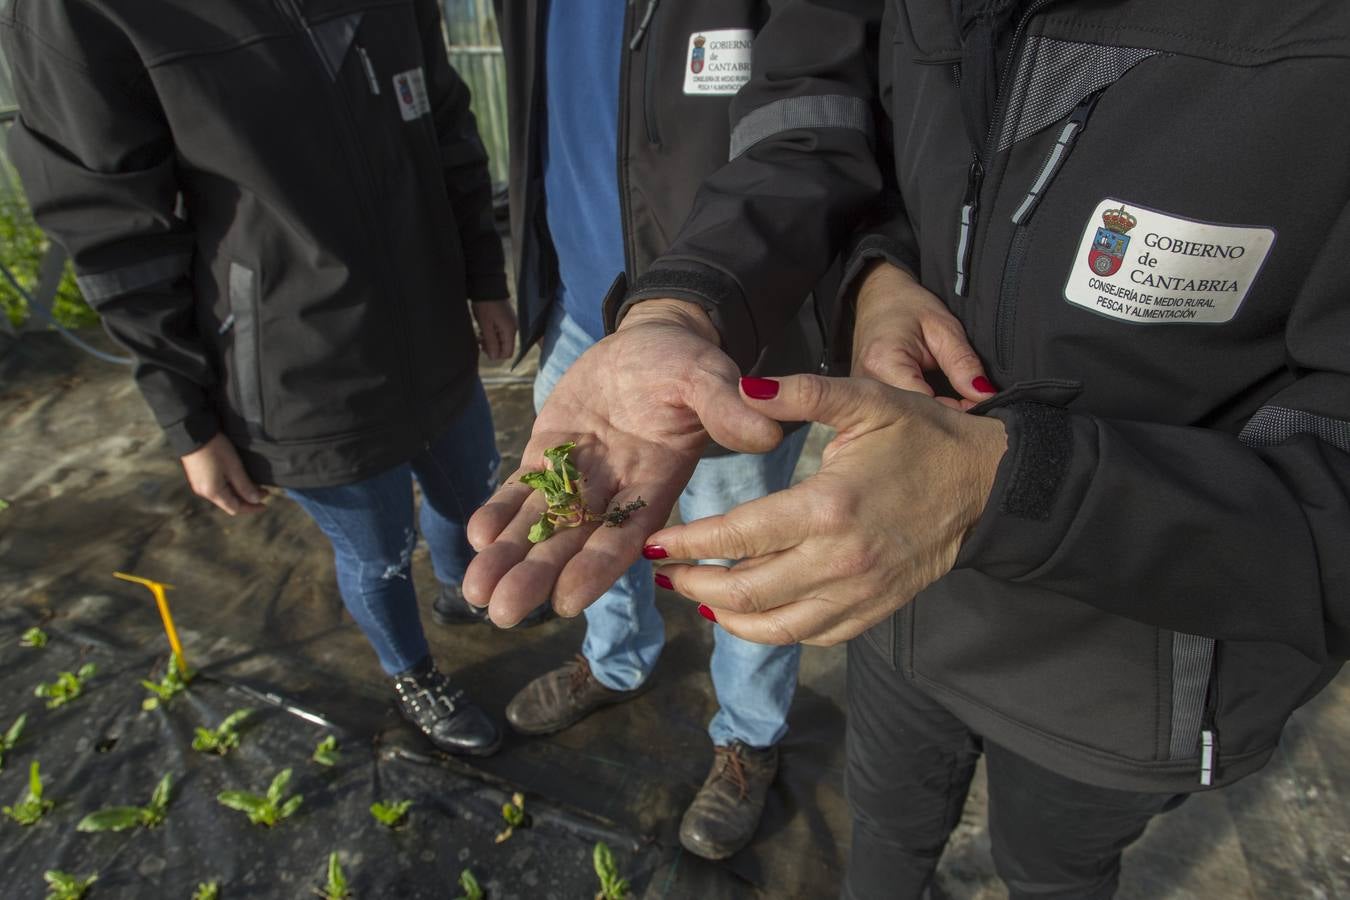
{"points": [[224, 737], [174, 682], [120, 818], [266, 809], [33, 806], [612, 887], [64, 886], [11, 737], [207, 890], [470, 886], [335, 888], [326, 753], [34, 637], [560, 483], [390, 815], [66, 687], [514, 814]]}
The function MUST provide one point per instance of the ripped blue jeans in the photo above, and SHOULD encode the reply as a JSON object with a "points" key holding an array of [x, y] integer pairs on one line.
{"points": [[370, 525]]}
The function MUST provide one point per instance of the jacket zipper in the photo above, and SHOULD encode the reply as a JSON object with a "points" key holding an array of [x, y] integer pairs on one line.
{"points": [[975, 179], [1209, 725], [1021, 218], [625, 190], [649, 76], [292, 10]]}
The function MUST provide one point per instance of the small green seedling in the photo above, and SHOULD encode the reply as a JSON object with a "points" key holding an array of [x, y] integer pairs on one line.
{"points": [[66, 687], [326, 753], [224, 737], [336, 886], [268, 809], [11, 737], [34, 637], [612, 887], [560, 483], [470, 886], [174, 682], [390, 814], [207, 890], [120, 818], [33, 806], [514, 814], [64, 886], [4, 504]]}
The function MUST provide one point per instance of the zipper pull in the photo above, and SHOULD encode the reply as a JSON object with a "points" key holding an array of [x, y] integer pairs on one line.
{"points": [[370, 70], [970, 209], [226, 325], [1209, 755], [1068, 136]]}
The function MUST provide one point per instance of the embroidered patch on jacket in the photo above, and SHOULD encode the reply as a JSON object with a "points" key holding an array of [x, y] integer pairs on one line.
{"points": [[411, 90], [1146, 266], [718, 62]]}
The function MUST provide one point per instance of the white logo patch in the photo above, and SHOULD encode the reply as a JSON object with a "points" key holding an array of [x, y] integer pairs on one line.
{"points": [[411, 90], [718, 62], [1141, 265]]}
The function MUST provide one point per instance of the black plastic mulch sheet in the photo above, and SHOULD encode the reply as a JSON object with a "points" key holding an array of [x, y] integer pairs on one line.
{"points": [[103, 749]]}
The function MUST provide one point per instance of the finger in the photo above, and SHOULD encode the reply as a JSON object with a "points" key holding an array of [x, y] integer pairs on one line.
{"points": [[895, 367], [758, 528], [841, 403], [726, 418], [508, 548], [529, 583], [798, 622], [490, 519], [224, 497], [956, 358], [610, 550]]}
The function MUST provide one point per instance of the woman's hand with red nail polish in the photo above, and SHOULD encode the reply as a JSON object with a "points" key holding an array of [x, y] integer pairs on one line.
{"points": [[640, 406], [898, 490], [902, 331]]}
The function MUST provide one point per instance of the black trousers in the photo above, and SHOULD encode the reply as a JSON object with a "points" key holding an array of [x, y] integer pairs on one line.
{"points": [[910, 763]]}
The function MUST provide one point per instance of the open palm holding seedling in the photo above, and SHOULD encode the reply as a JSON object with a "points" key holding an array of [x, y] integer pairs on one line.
{"points": [[639, 407]]}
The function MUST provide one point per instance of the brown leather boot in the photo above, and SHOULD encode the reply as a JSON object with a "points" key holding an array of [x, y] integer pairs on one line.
{"points": [[726, 810], [563, 697]]}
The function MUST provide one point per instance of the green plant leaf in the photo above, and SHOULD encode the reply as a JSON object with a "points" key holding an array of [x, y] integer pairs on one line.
{"points": [[234, 720], [33, 637], [242, 801], [207, 890], [289, 807], [64, 886], [159, 800], [11, 737], [542, 530], [114, 818], [277, 789], [469, 884], [326, 752], [390, 814], [336, 886], [35, 781]]}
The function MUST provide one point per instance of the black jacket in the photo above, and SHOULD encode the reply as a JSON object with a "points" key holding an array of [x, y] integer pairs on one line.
{"points": [[670, 137], [1140, 222], [280, 208]]}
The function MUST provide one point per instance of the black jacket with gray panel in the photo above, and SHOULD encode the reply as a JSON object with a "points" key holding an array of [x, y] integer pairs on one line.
{"points": [[682, 63], [279, 207], [1140, 218]]}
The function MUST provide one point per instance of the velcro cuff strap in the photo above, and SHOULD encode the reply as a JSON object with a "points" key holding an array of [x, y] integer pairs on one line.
{"points": [[1041, 438]]}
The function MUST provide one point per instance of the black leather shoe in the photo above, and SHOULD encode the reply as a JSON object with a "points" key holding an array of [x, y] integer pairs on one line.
{"points": [[444, 713], [726, 810], [451, 608]]}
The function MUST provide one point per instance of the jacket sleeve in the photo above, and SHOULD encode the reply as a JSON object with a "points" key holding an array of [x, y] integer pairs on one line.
{"points": [[802, 171], [1237, 537], [464, 160], [97, 163]]}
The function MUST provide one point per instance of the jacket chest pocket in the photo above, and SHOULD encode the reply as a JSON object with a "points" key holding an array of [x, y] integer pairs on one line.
{"points": [[928, 31]]}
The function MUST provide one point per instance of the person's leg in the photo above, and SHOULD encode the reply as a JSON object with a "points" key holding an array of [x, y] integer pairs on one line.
{"points": [[909, 765], [370, 525], [624, 632], [754, 683], [1055, 838]]}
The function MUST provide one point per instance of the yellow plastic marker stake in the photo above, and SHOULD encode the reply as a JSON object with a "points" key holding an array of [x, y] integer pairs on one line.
{"points": [[162, 601]]}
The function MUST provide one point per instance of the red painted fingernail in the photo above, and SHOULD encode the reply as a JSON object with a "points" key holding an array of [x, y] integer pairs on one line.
{"points": [[651, 551], [663, 581], [759, 388], [983, 385], [707, 613]]}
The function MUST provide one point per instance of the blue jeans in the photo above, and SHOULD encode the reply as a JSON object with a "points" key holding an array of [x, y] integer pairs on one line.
{"points": [[370, 525], [624, 631]]}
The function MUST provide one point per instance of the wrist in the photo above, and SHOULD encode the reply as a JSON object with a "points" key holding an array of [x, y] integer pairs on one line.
{"points": [[668, 311]]}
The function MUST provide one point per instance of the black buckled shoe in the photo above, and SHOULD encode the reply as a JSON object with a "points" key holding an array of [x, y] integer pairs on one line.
{"points": [[444, 713], [450, 608]]}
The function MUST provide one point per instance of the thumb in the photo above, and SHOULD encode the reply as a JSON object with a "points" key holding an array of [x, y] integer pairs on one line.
{"points": [[843, 404], [957, 359], [239, 480], [728, 420]]}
